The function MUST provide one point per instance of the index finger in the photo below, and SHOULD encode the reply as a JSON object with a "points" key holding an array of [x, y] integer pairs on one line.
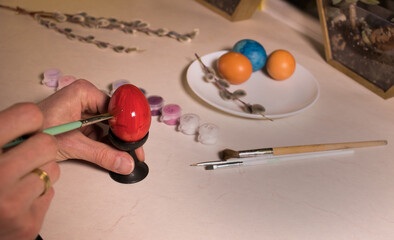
{"points": [[18, 120], [36, 151], [92, 99], [79, 98]]}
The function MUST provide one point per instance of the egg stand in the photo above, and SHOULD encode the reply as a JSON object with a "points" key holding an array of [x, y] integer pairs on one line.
{"points": [[140, 171]]}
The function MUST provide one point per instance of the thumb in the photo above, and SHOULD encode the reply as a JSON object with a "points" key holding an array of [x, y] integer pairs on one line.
{"points": [[81, 147]]}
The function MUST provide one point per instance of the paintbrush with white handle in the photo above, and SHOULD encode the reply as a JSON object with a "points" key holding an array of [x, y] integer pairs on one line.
{"points": [[272, 159]]}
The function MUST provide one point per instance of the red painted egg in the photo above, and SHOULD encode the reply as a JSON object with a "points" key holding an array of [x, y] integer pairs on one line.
{"points": [[132, 113]]}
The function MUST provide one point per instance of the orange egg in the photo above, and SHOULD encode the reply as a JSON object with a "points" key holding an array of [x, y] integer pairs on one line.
{"points": [[235, 67], [281, 64]]}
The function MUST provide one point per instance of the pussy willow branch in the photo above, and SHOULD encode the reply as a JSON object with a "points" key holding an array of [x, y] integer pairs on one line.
{"points": [[216, 79], [121, 25], [84, 20]]}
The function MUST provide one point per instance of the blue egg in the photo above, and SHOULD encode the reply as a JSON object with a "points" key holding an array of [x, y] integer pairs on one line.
{"points": [[253, 51]]}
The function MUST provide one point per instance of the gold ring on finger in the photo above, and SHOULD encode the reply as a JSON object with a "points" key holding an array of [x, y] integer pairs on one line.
{"points": [[44, 177]]}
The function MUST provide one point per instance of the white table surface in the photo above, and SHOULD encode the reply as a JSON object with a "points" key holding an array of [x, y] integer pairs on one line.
{"points": [[339, 197]]}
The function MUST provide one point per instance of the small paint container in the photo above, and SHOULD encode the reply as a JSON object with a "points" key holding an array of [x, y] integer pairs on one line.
{"points": [[170, 114], [51, 77], [188, 123], [65, 81], [156, 104], [208, 133], [143, 91], [117, 84]]}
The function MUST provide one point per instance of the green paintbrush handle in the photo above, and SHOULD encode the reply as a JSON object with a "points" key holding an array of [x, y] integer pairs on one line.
{"points": [[51, 131], [63, 128]]}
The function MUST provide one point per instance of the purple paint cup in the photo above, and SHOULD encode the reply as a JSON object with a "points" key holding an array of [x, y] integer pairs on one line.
{"points": [[156, 104], [170, 114], [51, 77]]}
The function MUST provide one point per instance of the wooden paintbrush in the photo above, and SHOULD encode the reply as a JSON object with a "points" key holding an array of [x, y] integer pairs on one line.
{"points": [[229, 153]]}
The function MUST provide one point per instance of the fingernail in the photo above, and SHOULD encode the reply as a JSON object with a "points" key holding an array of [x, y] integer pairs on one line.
{"points": [[123, 165]]}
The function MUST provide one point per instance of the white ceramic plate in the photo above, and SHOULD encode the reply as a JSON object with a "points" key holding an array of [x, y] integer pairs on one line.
{"points": [[279, 98]]}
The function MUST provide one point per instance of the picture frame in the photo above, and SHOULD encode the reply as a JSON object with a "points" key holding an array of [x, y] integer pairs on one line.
{"points": [[359, 41], [233, 10]]}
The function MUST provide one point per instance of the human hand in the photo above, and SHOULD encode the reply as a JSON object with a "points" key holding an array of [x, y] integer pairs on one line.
{"points": [[79, 100], [24, 198]]}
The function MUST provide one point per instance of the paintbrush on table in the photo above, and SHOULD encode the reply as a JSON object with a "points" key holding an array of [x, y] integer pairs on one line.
{"points": [[266, 155], [271, 159], [65, 127], [229, 153]]}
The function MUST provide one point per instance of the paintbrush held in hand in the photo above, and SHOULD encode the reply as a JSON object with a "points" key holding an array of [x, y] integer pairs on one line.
{"points": [[65, 127]]}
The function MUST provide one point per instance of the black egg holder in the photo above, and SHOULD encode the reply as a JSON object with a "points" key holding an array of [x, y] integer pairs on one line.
{"points": [[140, 171]]}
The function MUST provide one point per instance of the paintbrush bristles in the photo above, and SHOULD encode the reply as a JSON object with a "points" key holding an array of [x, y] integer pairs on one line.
{"points": [[229, 153]]}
